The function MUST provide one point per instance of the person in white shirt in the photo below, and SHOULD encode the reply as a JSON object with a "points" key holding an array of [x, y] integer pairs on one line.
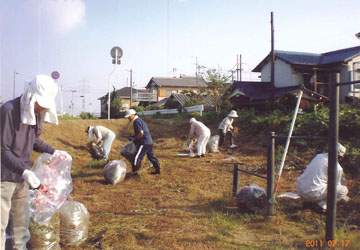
{"points": [[225, 128], [198, 129], [102, 134], [312, 184]]}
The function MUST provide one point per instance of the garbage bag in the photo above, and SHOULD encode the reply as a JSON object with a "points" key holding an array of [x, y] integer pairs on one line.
{"points": [[251, 199], [213, 144], [54, 173], [45, 236], [128, 151], [115, 171], [74, 223], [96, 152]]}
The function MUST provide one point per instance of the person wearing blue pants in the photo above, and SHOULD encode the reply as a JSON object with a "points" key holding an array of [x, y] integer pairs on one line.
{"points": [[143, 141]]}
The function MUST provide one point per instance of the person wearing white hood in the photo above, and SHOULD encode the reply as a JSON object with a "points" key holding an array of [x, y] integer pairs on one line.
{"points": [[312, 184], [21, 126], [200, 130], [225, 128]]}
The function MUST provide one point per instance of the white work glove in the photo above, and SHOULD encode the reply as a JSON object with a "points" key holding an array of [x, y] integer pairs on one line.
{"points": [[31, 179]]}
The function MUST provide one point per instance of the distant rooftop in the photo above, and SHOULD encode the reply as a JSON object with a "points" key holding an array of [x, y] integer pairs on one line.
{"points": [[183, 81], [313, 59]]}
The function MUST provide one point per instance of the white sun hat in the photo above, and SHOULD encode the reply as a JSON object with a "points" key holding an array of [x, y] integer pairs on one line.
{"points": [[233, 114], [130, 112], [341, 150], [43, 90], [192, 120]]}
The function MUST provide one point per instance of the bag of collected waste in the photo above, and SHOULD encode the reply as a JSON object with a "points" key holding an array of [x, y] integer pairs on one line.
{"points": [[128, 151], [45, 236], [213, 144], [251, 199], [74, 223], [96, 152], [191, 149], [53, 172], [115, 171]]}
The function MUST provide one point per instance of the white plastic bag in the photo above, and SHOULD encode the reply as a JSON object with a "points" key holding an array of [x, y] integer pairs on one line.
{"points": [[115, 171], [54, 173], [74, 223], [191, 149], [213, 144]]}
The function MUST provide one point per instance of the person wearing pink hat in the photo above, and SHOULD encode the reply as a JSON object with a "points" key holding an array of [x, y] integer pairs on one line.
{"points": [[21, 124]]}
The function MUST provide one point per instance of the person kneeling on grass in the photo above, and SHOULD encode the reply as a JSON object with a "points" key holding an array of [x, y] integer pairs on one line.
{"points": [[312, 184], [225, 128], [143, 142], [200, 130], [102, 133]]}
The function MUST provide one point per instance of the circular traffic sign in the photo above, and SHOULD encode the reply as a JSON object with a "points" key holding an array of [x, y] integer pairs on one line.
{"points": [[118, 50], [55, 75]]}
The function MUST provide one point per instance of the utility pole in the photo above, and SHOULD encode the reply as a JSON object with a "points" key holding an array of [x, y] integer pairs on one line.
{"points": [[272, 59], [15, 73], [131, 87], [72, 102], [238, 68], [61, 101]]}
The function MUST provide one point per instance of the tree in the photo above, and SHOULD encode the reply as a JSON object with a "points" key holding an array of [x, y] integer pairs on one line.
{"points": [[218, 87], [115, 105]]}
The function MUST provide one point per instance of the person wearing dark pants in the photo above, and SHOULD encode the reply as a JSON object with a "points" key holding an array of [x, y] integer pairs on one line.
{"points": [[225, 129], [143, 142]]}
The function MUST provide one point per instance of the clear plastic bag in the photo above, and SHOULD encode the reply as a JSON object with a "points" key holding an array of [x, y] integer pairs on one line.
{"points": [[54, 173], [251, 199], [74, 223], [45, 236], [115, 171], [191, 149], [213, 144]]}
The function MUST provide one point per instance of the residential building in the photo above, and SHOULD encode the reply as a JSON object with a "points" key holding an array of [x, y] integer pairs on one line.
{"points": [[313, 70], [164, 87]]}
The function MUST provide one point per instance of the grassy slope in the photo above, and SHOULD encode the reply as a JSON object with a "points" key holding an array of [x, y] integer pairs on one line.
{"points": [[189, 206]]}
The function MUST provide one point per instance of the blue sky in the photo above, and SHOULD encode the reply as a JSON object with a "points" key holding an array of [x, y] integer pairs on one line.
{"points": [[75, 37]]}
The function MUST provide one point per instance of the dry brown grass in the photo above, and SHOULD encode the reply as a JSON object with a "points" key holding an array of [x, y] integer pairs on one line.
{"points": [[189, 206]]}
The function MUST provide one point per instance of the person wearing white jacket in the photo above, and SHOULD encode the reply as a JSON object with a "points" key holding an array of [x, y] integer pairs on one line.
{"points": [[225, 128], [102, 133], [312, 184], [199, 129]]}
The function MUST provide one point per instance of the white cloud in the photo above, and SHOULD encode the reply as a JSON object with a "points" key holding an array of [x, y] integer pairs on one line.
{"points": [[60, 16]]}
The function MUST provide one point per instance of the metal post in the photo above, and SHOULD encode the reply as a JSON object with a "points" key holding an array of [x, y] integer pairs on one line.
{"points": [[235, 179], [116, 61], [131, 87], [333, 156], [270, 200]]}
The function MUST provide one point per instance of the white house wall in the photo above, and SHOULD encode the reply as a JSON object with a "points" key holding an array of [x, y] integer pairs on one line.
{"points": [[284, 76]]}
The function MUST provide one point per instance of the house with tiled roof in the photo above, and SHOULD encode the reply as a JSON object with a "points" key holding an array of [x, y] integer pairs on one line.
{"points": [[164, 87], [313, 70], [138, 95]]}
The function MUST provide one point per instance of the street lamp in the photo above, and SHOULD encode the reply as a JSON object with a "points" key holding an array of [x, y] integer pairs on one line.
{"points": [[15, 73], [116, 53]]}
